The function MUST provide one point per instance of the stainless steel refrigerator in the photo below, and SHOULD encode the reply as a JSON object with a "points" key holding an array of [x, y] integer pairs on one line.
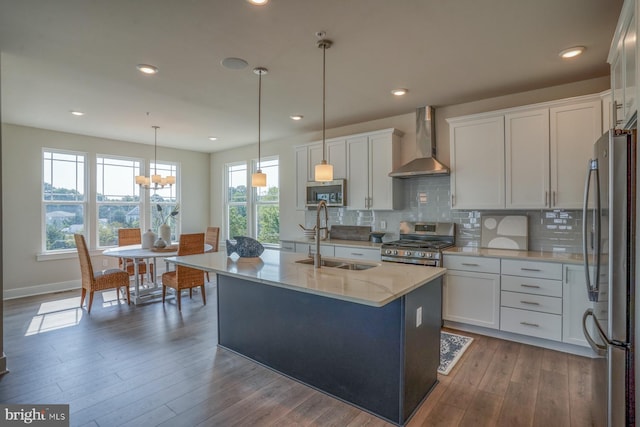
{"points": [[609, 246]]}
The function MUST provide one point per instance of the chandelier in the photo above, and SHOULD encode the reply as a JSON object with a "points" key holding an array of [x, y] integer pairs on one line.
{"points": [[156, 181]]}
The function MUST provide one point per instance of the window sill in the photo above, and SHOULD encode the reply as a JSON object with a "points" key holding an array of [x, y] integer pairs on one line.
{"points": [[54, 256]]}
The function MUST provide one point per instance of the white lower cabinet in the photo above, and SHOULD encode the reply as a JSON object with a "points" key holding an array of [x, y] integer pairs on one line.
{"points": [[471, 291], [310, 248], [575, 301], [357, 253], [539, 299], [287, 246], [531, 299]]}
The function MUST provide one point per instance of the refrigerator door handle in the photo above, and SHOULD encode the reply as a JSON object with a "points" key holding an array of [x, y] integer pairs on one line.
{"points": [[592, 290], [600, 349]]}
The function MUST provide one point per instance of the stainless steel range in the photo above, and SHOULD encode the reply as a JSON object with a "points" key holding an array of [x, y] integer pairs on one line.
{"points": [[420, 243]]}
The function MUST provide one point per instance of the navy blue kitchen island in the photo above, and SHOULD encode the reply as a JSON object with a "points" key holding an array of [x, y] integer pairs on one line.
{"points": [[360, 336]]}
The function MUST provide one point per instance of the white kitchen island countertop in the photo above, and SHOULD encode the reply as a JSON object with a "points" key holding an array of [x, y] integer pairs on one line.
{"points": [[376, 286]]}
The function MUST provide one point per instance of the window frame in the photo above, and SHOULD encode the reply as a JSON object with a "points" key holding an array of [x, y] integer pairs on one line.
{"points": [[228, 203], [256, 202], [84, 204], [151, 210], [98, 204]]}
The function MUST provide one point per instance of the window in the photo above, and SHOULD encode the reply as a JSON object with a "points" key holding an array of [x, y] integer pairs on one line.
{"points": [[118, 202], [64, 198], [267, 207], [165, 200], [237, 200], [254, 213]]}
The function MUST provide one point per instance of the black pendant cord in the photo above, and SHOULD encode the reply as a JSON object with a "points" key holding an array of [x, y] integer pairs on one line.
{"points": [[155, 150]]}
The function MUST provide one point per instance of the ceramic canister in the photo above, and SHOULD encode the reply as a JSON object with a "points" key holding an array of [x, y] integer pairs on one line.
{"points": [[148, 238]]}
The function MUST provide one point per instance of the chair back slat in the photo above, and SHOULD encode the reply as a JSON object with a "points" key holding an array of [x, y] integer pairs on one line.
{"points": [[86, 268], [190, 244], [129, 236], [212, 236]]}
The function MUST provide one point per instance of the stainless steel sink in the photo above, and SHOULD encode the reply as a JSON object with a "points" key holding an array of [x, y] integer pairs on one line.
{"points": [[344, 265]]}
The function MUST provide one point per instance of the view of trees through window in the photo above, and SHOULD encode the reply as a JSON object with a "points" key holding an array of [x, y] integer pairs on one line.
{"points": [[63, 195], [117, 198], [260, 208]]}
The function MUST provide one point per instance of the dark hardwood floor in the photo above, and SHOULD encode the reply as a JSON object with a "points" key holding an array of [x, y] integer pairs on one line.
{"points": [[152, 366]]}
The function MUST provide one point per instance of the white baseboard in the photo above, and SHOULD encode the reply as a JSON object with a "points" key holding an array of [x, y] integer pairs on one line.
{"points": [[524, 339], [46, 288]]}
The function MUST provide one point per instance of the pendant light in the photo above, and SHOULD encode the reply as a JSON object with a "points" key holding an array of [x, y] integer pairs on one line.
{"points": [[259, 179], [323, 171], [155, 181]]}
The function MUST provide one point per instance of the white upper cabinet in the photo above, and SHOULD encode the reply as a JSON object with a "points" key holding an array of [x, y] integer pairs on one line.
{"points": [[364, 160], [623, 60], [574, 129], [358, 166], [477, 163], [527, 159], [307, 156], [530, 157], [337, 157], [369, 161]]}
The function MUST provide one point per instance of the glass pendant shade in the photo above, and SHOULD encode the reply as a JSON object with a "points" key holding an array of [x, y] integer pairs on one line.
{"points": [[324, 172], [259, 179]]}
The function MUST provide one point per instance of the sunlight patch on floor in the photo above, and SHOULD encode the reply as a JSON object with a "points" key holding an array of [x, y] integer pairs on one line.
{"points": [[54, 315]]}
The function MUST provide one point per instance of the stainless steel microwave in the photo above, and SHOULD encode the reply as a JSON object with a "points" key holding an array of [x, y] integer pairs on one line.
{"points": [[332, 192]]}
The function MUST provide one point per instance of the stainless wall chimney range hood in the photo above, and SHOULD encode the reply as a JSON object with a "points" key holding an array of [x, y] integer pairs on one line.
{"points": [[426, 162]]}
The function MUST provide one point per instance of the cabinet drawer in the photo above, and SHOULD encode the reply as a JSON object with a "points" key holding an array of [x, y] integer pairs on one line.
{"points": [[542, 270], [357, 253], [307, 248], [472, 263], [287, 246], [541, 325], [551, 288], [531, 302]]}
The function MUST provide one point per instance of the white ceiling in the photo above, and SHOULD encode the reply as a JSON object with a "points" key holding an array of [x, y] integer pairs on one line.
{"points": [[67, 55]]}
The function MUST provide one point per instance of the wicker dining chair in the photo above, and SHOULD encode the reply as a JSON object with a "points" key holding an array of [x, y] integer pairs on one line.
{"points": [[185, 277], [212, 237], [101, 280], [132, 236]]}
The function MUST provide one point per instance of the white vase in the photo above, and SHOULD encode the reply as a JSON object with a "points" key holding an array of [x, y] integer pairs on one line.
{"points": [[165, 233], [148, 239]]}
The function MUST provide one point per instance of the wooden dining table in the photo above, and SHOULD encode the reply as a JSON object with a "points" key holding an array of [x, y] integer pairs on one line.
{"points": [[153, 291]]}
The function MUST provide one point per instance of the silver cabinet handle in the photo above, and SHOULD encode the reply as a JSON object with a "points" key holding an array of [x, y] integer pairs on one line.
{"points": [[546, 198], [529, 286], [529, 302], [357, 254], [529, 269], [470, 264], [453, 200], [555, 202], [535, 325]]}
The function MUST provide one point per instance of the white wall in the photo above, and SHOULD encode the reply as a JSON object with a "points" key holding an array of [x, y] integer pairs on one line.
{"points": [[22, 192], [289, 217]]}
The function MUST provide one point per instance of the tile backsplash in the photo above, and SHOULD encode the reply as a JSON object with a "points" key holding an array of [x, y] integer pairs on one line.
{"points": [[427, 199]]}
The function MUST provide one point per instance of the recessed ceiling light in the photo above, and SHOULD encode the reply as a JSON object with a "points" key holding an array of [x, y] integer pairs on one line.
{"points": [[234, 63], [399, 91], [258, 2], [213, 138], [147, 69], [296, 117], [77, 113], [572, 52]]}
